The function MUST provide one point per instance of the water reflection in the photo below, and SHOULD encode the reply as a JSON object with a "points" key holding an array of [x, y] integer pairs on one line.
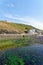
{"points": [[29, 55]]}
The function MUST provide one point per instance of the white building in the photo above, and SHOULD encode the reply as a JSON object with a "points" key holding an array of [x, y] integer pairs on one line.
{"points": [[32, 31]]}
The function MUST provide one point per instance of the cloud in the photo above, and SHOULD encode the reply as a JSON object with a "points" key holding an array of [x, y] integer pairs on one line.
{"points": [[9, 16], [11, 5], [26, 20]]}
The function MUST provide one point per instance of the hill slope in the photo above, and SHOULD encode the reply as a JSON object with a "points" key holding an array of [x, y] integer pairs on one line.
{"points": [[13, 27]]}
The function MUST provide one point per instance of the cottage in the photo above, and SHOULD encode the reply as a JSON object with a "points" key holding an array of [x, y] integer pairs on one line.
{"points": [[32, 31]]}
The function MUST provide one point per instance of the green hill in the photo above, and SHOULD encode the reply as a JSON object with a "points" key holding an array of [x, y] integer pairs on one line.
{"points": [[13, 27]]}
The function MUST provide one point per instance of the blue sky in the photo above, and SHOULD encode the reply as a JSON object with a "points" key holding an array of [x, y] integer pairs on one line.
{"points": [[28, 12]]}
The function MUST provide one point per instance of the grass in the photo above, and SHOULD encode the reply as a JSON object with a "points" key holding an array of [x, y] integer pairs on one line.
{"points": [[19, 28], [24, 41]]}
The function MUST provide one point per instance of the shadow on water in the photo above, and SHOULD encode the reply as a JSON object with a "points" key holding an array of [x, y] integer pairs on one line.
{"points": [[28, 55]]}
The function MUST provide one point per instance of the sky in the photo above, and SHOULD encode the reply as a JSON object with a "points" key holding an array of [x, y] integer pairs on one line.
{"points": [[29, 12]]}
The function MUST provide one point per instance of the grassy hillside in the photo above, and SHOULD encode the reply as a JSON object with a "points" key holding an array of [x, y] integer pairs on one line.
{"points": [[8, 26]]}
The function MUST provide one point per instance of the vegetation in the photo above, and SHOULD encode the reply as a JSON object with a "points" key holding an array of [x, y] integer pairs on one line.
{"points": [[15, 59], [20, 56], [24, 41], [13, 27]]}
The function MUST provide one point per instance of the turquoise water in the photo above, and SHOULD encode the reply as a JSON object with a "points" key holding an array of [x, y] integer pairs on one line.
{"points": [[28, 55]]}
